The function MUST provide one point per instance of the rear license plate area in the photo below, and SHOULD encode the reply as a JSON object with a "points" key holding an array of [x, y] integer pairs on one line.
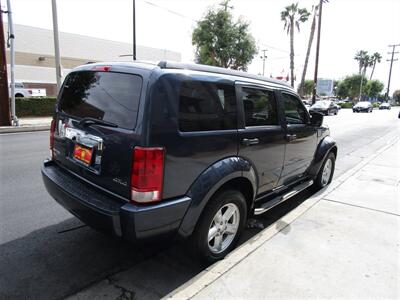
{"points": [[83, 154]]}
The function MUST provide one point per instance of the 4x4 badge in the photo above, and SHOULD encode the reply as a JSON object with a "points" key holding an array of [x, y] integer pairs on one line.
{"points": [[117, 180]]}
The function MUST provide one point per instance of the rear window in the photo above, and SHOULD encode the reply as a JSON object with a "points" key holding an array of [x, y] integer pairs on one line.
{"points": [[112, 97], [205, 106]]}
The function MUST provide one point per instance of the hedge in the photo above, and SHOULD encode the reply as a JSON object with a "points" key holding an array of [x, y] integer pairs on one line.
{"points": [[346, 105], [31, 107]]}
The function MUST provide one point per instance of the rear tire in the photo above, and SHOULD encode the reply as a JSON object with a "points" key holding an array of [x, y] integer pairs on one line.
{"points": [[220, 226], [326, 172]]}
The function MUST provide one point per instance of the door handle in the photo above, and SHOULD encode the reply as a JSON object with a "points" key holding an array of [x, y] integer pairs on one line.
{"points": [[291, 137], [249, 142]]}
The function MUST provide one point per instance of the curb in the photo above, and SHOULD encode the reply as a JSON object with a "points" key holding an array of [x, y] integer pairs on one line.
{"points": [[212, 273], [24, 129]]}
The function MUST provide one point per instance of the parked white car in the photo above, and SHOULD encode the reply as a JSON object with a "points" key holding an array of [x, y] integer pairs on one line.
{"points": [[21, 91]]}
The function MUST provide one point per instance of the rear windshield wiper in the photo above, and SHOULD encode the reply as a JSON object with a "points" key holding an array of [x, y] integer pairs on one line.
{"points": [[88, 121]]}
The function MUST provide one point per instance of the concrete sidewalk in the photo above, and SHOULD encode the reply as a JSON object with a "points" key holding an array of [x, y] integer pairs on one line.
{"points": [[342, 242], [28, 124]]}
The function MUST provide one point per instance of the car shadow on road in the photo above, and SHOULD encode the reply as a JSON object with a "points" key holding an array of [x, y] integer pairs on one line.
{"points": [[60, 260]]}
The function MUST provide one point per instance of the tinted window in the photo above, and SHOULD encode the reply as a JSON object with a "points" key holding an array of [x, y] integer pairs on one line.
{"points": [[206, 106], [259, 107], [112, 97], [295, 113]]}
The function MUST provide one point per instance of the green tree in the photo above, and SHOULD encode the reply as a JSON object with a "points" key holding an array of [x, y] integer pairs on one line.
{"points": [[376, 58], [292, 16], [308, 87], [222, 41], [350, 87], [396, 95], [373, 88]]}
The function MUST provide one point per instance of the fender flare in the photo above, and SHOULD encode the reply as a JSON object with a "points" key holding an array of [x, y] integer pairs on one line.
{"points": [[208, 182], [326, 145]]}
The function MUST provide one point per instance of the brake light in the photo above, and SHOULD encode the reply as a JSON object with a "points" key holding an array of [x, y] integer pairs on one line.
{"points": [[147, 174], [101, 68], [30, 92], [52, 131]]}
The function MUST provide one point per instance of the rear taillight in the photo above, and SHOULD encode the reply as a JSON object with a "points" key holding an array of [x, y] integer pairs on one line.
{"points": [[52, 131], [30, 92], [147, 174]]}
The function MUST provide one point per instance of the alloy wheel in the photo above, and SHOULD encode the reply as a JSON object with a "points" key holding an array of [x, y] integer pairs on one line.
{"points": [[223, 228], [326, 172]]}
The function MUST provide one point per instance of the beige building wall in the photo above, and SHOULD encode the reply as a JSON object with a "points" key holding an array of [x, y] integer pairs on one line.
{"points": [[34, 53]]}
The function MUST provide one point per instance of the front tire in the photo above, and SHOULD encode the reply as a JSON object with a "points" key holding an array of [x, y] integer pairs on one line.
{"points": [[325, 174], [220, 226]]}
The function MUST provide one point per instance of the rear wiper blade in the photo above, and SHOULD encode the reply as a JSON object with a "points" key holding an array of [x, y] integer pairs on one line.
{"points": [[88, 121]]}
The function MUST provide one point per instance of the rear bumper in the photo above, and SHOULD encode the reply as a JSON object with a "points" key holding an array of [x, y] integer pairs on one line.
{"points": [[111, 214]]}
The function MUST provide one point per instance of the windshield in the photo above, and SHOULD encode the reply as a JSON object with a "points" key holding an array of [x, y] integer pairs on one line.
{"points": [[107, 96], [322, 104], [362, 104]]}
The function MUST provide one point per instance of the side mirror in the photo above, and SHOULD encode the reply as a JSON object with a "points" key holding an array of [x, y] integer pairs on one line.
{"points": [[316, 119]]}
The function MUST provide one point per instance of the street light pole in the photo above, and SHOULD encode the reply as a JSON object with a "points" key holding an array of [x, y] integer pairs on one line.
{"points": [[134, 30], [14, 118], [4, 97], [317, 54], [264, 57], [56, 45]]}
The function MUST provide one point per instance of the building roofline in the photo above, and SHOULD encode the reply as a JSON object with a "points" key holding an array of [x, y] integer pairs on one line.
{"points": [[89, 37]]}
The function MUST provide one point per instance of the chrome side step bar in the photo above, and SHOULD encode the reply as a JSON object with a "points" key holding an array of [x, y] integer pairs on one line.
{"points": [[279, 199]]}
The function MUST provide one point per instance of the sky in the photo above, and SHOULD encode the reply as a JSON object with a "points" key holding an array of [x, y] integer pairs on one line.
{"points": [[347, 26]]}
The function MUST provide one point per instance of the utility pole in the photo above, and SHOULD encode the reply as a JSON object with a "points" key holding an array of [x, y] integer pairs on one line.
{"points": [[56, 45], [4, 97], [14, 119], [263, 57], [391, 64], [134, 29], [317, 53]]}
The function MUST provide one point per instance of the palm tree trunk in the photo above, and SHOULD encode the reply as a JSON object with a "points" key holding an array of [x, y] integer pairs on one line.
{"points": [[310, 40], [292, 52], [373, 69]]}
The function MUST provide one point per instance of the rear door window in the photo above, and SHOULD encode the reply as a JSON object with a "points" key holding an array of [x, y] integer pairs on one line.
{"points": [[259, 107], [108, 96], [205, 106]]}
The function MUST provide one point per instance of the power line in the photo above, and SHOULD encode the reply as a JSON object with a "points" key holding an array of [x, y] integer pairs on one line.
{"points": [[170, 10], [274, 48]]}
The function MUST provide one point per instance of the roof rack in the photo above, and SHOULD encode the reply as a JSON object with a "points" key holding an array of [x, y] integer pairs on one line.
{"points": [[217, 70]]}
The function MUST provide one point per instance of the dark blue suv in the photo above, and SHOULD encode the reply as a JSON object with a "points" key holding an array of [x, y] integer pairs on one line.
{"points": [[144, 150]]}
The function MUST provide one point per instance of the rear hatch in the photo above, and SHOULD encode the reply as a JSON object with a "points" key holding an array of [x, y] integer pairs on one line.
{"points": [[95, 127]]}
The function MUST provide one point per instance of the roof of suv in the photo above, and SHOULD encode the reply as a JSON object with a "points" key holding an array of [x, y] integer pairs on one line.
{"points": [[166, 65]]}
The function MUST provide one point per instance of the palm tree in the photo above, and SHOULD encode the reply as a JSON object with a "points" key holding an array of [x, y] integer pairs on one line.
{"points": [[376, 57], [368, 62], [361, 57], [310, 40], [293, 16]]}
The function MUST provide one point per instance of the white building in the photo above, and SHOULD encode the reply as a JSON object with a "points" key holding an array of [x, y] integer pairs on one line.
{"points": [[34, 54]]}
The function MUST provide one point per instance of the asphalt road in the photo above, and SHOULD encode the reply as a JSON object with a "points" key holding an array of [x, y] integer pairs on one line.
{"points": [[46, 253]]}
